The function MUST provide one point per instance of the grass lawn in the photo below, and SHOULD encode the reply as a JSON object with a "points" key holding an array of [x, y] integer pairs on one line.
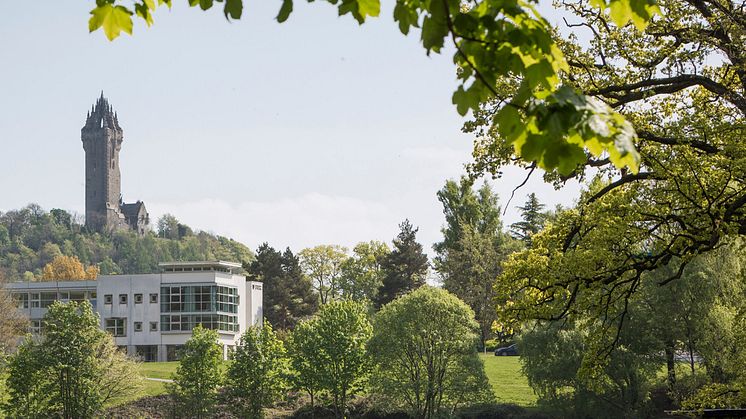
{"points": [[158, 369], [509, 384]]}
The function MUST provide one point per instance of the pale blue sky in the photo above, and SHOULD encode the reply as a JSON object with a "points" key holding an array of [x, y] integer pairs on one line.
{"points": [[309, 132]]}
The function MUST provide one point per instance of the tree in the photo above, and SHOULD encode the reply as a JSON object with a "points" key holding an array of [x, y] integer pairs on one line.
{"points": [[196, 380], [63, 268], [469, 272], [405, 267], [533, 220], [323, 265], [306, 358], [71, 370], [463, 207], [288, 294], [337, 362], [168, 227], [362, 273], [472, 249], [689, 196], [424, 350], [12, 323], [257, 377]]}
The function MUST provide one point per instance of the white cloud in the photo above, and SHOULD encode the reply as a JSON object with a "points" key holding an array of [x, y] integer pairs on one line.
{"points": [[297, 222]]}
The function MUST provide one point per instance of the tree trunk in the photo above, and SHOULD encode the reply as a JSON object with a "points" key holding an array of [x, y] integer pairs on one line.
{"points": [[670, 365]]}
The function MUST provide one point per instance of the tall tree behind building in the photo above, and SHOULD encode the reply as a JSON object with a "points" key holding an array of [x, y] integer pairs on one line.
{"points": [[405, 267], [288, 295]]}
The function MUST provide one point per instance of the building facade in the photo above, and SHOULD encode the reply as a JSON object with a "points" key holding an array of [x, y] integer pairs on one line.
{"points": [[102, 140], [152, 315]]}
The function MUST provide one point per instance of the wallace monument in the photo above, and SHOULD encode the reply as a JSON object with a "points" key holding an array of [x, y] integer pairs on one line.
{"points": [[104, 209]]}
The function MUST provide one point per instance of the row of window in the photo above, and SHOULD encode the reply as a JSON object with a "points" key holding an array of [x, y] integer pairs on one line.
{"points": [[117, 326], [199, 298], [187, 322], [45, 299], [109, 298]]}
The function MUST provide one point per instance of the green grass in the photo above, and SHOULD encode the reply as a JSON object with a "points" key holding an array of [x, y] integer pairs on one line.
{"points": [[507, 381], [158, 369]]}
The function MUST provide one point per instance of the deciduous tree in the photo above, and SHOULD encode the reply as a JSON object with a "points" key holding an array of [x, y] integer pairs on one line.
{"points": [[362, 273], [257, 377], [196, 380], [425, 354], [323, 265], [66, 268]]}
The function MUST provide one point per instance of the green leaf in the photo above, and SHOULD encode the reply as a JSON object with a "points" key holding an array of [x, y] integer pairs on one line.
{"points": [[113, 20], [233, 9], [285, 10], [205, 4], [368, 8]]}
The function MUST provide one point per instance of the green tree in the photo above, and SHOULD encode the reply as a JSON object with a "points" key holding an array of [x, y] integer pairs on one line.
{"points": [[306, 358], [323, 265], [553, 357], [257, 377], [337, 362], [462, 206], [469, 272], [689, 196], [72, 370], [362, 273], [405, 267], [425, 354], [168, 227], [532, 220], [288, 294], [29, 387], [196, 381]]}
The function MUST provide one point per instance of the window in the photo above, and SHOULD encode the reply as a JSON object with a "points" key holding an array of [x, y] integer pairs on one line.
{"points": [[138, 298], [107, 298], [122, 298], [21, 300], [35, 300], [153, 326], [153, 298], [199, 299], [117, 326], [47, 298], [138, 326], [35, 327]]}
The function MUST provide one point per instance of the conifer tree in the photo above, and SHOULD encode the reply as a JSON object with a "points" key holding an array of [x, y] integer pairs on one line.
{"points": [[405, 267], [532, 220], [288, 295]]}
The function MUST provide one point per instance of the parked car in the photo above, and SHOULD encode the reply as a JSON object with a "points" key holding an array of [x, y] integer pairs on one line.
{"points": [[511, 350]]}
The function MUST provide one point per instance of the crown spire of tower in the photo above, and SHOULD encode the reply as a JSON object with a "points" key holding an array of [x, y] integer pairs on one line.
{"points": [[102, 115]]}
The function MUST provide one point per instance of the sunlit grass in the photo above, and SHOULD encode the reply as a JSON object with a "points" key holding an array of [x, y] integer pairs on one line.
{"points": [[507, 381]]}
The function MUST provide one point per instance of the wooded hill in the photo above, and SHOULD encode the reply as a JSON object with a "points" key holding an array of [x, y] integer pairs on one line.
{"points": [[31, 237]]}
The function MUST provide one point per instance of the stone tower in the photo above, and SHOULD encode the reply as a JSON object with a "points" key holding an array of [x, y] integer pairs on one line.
{"points": [[102, 139]]}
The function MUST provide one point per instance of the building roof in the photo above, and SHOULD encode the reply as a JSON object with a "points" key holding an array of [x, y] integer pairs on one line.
{"points": [[218, 265]]}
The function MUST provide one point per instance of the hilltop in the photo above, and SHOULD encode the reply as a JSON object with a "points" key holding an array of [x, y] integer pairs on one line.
{"points": [[31, 237]]}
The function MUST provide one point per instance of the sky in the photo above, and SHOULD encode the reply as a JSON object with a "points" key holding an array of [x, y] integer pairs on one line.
{"points": [[314, 131]]}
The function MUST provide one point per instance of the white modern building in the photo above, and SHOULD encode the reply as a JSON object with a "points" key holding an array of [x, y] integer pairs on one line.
{"points": [[152, 315]]}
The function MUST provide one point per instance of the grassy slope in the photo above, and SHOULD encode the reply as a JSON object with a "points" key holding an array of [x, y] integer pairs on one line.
{"points": [[504, 373], [509, 384]]}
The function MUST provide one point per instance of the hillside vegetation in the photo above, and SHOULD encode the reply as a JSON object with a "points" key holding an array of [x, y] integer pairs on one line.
{"points": [[31, 237]]}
